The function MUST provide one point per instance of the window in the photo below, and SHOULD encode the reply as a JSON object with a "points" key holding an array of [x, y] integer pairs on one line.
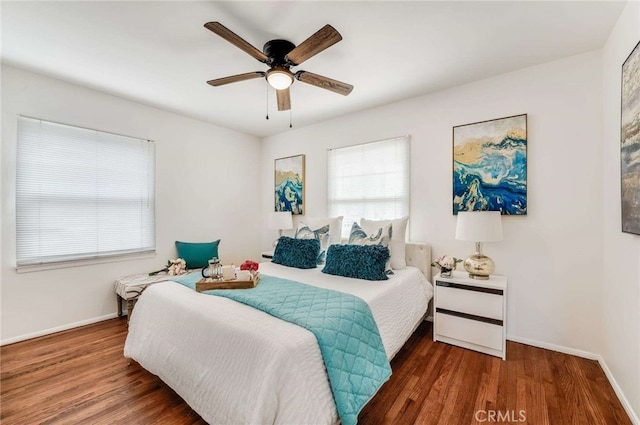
{"points": [[371, 180], [82, 194]]}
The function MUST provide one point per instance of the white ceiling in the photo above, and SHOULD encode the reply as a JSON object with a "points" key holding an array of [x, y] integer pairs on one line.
{"points": [[159, 53]]}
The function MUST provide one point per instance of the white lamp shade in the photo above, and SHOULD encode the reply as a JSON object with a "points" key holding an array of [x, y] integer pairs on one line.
{"points": [[280, 220], [479, 226]]}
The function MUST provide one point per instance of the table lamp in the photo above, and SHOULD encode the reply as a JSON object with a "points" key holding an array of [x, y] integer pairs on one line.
{"points": [[280, 220], [478, 227]]}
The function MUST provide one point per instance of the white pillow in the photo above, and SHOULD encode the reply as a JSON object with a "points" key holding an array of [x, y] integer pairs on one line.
{"points": [[335, 226], [398, 238]]}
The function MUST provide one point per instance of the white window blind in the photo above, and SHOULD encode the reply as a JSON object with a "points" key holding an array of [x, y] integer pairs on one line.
{"points": [[371, 180], [82, 193]]}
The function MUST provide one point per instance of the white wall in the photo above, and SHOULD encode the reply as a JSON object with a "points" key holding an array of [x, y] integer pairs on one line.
{"points": [[205, 181], [621, 256], [553, 255]]}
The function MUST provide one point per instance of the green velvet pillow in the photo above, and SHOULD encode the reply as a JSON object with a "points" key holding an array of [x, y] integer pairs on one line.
{"points": [[197, 254]]}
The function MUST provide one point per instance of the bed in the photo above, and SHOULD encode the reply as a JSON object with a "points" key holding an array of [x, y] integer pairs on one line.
{"points": [[235, 364]]}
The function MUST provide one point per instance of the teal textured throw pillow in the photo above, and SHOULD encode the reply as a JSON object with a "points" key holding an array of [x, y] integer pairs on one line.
{"points": [[359, 261], [299, 253], [197, 254]]}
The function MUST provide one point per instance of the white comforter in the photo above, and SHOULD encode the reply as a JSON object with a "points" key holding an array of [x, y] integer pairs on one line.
{"points": [[234, 364]]}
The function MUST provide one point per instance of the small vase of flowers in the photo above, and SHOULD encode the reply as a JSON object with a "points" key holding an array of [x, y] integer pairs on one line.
{"points": [[446, 264]]}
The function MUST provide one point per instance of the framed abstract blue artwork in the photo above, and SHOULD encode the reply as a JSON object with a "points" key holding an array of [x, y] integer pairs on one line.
{"points": [[490, 166], [630, 143], [289, 184]]}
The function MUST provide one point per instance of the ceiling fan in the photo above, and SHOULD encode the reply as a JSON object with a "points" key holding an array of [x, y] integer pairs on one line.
{"points": [[280, 56]]}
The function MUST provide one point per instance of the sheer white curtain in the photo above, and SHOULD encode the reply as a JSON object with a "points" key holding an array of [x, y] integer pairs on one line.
{"points": [[82, 193], [371, 180]]}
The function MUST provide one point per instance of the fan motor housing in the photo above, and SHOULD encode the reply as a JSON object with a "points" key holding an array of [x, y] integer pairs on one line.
{"points": [[276, 50]]}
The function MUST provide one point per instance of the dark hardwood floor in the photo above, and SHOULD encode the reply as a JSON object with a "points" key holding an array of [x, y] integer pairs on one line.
{"points": [[80, 377]]}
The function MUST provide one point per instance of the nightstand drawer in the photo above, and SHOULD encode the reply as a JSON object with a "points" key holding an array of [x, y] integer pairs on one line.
{"points": [[480, 333], [471, 302]]}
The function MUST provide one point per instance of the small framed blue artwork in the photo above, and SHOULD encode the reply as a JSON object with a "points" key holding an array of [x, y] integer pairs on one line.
{"points": [[289, 184], [490, 166]]}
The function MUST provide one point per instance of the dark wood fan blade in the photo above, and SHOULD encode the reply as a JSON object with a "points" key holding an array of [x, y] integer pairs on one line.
{"points": [[327, 36], [236, 40], [284, 99], [324, 82], [235, 78]]}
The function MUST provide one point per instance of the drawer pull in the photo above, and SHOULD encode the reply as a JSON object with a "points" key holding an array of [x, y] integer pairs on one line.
{"points": [[469, 288], [469, 316]]}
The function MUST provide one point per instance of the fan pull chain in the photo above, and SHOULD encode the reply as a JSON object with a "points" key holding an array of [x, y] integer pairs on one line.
{"points": [[267, 85], [290, 118]]}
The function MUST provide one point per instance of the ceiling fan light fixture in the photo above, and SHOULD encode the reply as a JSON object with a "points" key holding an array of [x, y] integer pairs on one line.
{"points": [[279, 78]]}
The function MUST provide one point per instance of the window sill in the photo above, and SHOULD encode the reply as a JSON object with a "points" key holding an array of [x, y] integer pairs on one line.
{"points": [[83, 262]]}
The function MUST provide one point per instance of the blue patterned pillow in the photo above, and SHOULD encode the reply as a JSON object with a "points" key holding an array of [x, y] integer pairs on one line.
{"points": [[299, 253], [358, 236], [359, 261], [322, 234]]}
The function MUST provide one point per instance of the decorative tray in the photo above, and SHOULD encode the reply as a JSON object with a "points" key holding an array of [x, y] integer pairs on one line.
{"points": [[207, 284]]}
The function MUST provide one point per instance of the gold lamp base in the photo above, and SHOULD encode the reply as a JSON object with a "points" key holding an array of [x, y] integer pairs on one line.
{"points": [[479, 266]]}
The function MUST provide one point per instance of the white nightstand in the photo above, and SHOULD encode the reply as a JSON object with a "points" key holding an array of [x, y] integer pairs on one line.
{"points": [[471, 313]]}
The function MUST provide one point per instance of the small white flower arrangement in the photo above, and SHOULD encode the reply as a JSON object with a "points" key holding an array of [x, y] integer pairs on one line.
{"points": [[446, 263], [174, 268]]}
